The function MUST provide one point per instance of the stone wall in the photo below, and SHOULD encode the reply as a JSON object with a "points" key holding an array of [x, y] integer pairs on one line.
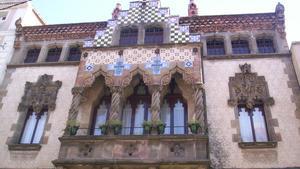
{"points": [[295, 49], [280, 77], [10, 117]]}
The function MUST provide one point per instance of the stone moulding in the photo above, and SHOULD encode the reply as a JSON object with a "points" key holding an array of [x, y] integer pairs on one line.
{"points": [[24, 147], [248, 88], [257, 145], [41, 94]]}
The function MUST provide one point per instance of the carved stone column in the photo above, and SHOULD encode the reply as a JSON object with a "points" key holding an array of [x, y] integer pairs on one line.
{"points": [[155, 102], [116, 104], [199, 105], [77, 99]]}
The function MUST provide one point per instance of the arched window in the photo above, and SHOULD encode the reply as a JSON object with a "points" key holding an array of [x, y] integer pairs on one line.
{"points": [[136, 110], [240, 46], [34, 127], [154, 35], [174, 111], [32, 55], [74, 53], [101, 113], [128, 36], [215, 47], [265, 45], [53, 54]]}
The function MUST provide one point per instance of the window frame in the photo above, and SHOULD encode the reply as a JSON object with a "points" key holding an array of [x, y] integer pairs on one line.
{"points": [[107, 100], [130, 37], [154, 37], [53, 56], [250, 113], [215, 47], [240, 46], [31, 56], [29, 112], [76, 55], [264, 48]]}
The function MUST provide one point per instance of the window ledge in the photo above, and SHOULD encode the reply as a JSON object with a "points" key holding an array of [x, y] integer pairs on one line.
{"points": [[24, 147], [257, 145]]}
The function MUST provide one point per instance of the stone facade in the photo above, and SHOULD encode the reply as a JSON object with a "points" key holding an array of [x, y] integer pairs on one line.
{"points": [[107, 76]]}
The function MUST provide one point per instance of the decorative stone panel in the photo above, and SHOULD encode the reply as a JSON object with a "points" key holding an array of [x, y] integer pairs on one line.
{"points": [[41, 94]]}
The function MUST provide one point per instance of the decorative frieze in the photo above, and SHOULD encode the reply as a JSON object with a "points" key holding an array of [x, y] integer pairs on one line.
{"points": [[41, 94]]}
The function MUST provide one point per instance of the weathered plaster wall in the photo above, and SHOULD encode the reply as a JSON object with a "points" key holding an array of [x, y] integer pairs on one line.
{"points": [[56, 119], [295, 49], [280, 77]]}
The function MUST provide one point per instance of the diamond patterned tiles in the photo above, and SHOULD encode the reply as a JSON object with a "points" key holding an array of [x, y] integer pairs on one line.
{"points": [[140, 55]]}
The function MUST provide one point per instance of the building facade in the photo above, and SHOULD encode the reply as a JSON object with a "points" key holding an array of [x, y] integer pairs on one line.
{"points": [[150, 90]]}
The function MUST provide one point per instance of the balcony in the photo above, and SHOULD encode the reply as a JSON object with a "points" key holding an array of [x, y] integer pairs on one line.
{"points": [[134, 151]]}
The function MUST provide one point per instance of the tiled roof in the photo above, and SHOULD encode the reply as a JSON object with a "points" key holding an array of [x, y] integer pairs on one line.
{"points": [[198, 24], [224, 23], [62, 31]]}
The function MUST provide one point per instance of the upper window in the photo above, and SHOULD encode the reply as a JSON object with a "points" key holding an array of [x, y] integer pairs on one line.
{"points": [[74, 54], [154, 35], [128, 36], [215, 47], [240, 47], [253, 126], [34, 127], [174, 111], [265, 45], [53, 54], [32, 55], [136, 110]]}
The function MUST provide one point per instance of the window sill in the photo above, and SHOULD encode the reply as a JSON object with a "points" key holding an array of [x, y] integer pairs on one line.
{"points": [[24, 147], [257, 145]]}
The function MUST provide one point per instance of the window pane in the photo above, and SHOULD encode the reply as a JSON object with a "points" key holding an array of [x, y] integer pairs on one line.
{"points": [[265, 45], [126, 119], [100, 118], [29, 129], [128, 36], [215, 47], [154, 35], [139, 119], [40, 128], [166, 116], [259, 125], [240, 47], [74, 54], [53, 54], [245, 126], [32, 55], [178, 118]]}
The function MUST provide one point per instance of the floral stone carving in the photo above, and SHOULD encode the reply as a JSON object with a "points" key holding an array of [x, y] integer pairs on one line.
{"points": [[41, 94], [248, 88]]}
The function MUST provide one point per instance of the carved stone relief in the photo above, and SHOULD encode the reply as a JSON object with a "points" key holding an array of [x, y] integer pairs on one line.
{"points": [[41, 94], [248, 88], [177, 150]]}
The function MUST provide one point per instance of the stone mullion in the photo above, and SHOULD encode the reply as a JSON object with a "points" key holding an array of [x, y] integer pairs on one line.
{"points": [[77, 99], [116, 105], [155, 103], [199, 105]]}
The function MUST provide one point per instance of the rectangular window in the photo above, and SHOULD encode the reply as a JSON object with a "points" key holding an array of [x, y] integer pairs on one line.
{"points": [[265, 45], [253, 126], [74, 54], [128, 36], [53, 55], [215, 47], [32, 55], [34, 127]]}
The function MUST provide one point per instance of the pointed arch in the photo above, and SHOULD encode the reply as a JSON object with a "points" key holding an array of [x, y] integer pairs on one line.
{"points": [[146, 77], [186, 76]]}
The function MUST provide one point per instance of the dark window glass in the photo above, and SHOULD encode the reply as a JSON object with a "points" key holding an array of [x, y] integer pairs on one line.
{"points": [[74, 54], [215, 47], [128, 36], [154, 35], [34, 127], [32, 55], [240, 47], [174, 111], [53, 55], [265, 45], [253, 126]]}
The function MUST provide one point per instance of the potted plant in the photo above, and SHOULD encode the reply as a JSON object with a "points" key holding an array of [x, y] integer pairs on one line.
{"points": [[147, 125], [104, 128], [160, 126], [72, 127], [194, 126], [116, 126]]}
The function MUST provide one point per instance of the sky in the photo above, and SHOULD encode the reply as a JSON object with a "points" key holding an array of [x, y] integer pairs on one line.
{"points": [[74, 11]]}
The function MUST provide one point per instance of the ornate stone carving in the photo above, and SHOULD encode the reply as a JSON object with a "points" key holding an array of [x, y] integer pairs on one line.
{"points": [[178, 150], [78, 98], [280, 21], [41, 94], [248, 88], [199, 105], [131, 149], [115, 110], [19, 30], [155, 102]]}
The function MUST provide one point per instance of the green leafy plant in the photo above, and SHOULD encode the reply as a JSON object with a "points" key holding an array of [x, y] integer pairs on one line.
{"points": [[72, 127], [116, 126], [194, 126], [104, 128], [147, 125], [160, 126]]}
